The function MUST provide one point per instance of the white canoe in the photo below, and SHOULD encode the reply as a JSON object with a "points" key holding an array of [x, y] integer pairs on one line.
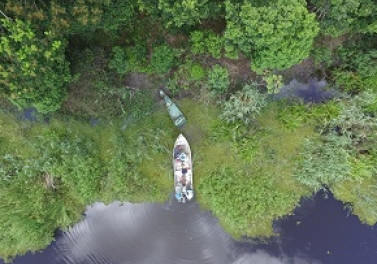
{"points": [[183, 176]]}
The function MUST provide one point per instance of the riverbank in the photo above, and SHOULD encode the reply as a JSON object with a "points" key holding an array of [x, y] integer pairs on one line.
{"points": [[261, 140], [247, 175]]}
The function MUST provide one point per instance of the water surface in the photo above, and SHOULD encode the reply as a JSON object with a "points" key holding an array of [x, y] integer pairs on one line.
{"points": [[320, 232]]}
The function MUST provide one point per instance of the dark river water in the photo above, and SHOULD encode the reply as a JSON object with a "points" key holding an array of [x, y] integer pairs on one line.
{"points": [[319, 232]]}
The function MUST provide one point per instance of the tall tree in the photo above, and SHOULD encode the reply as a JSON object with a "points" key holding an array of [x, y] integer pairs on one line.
{"points": [[338, 17], [276, 35], [33, 69], [187, 12]]}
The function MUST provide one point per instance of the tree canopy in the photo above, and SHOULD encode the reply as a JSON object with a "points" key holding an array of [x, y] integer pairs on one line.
{"points": [[187, 12], [33, 69], [338, 17], [276, 35]]}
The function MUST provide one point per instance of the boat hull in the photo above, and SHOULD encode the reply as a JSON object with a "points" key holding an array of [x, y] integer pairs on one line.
{"points": [[182, 165]]}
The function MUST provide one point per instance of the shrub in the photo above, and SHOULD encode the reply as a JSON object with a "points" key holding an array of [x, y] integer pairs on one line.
{"points": [[298, 114], [361, 197], [162, 59], [244, 143], [124, 179], [322, 57], [348, 81], [187, 13], [203, 42], [187, 75], [357, 71], [30, 212], [119, 61], [244, 200], [46, 189], [356, 122], [73, 160], [347, 148], [276, 35], [130, 59], [343, 16], [196, 72], [324, 164], [360, 189], [33, 68], [198, 45], [273, 82], [214, 44], [218, 79], [244, 105]]}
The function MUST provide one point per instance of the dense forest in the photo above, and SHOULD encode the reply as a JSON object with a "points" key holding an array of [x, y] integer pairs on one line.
{"points": [[81, 120]]}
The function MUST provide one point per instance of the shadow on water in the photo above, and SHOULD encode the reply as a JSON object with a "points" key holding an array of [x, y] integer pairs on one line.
{"points": [[320, 231], [314, 91]]}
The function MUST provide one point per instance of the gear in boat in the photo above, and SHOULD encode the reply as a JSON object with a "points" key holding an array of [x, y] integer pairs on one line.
{"points": [[182, 163]]}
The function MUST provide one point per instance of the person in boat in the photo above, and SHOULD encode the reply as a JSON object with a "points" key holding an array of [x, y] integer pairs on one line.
{"points": [[183, 199], [178, 151], [183, 180], [183, 157], [178, 196]]}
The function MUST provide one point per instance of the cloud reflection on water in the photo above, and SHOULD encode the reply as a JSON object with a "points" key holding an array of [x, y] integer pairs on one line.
{"points": [[262, 257], [147, 233]]}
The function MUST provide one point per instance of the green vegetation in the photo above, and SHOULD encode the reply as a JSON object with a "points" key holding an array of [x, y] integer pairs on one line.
{"points": [[218, 79], [256, 154], [276, 36], [134, 59], [338, 17], [130, 59], [162, 59], [328, 163], [258, 179], [97, 92], [187, 13], [273, 82], [196, 72], [189, 74], [244, 105], [206, 42], [61, 168], [345, 161], [298, 114], [358, 70], [32, 67]]}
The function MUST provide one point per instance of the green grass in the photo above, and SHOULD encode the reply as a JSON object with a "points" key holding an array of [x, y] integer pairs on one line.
{"points": [[360, 190], [280, 147], [361, 196], [12, 135], [243, 174], [293, 115], [154, 137], [267, 151], [265, 154], [278, 150]]}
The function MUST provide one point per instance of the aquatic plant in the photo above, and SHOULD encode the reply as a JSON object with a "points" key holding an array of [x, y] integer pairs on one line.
{"points": [[296, 114], [244, 105], [323, 164], [244, 200]]}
